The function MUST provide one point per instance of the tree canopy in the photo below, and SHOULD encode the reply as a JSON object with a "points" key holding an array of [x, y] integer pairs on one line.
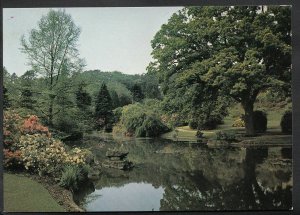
{"points": [[52, 52], [239, 50]]}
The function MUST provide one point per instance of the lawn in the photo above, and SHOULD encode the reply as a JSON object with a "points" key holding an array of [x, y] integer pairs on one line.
{"points": [[22, 194], [185, 133]]}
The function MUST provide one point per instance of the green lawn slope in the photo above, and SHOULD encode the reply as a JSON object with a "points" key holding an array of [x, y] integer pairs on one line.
{"points": [[22, 194]]}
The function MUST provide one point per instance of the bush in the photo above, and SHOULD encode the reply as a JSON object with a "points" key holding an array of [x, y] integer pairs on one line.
{"points": [[28, 144], [173, 120], [65, 123], [12, 159], [199, 134], [226, 135], [31, 125], [260, 121], [286, 122], [72, 176], [12, 123], [117, 113], [46, 155], [240, 122], [193, 124], [210, 124], [151, 127], [142, 120]]}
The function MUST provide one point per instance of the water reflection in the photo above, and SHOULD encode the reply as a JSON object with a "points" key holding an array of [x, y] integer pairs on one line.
{"points": [[130, 197], [188, 176]]}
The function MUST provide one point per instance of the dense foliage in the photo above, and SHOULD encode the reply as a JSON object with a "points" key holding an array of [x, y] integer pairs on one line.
{"points": [[137, 94], [29, 145], [52, 52], [73, 176], [226, 135], [83, 98], [6, 103], [141, 119], [237, 51]]}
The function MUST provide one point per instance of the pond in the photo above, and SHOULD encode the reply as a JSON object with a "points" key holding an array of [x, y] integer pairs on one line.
{"points": [[182, 176]]}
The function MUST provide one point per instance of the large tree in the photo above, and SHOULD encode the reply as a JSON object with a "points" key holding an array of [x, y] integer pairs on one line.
{"points": [[52, 50], [240, 50]]}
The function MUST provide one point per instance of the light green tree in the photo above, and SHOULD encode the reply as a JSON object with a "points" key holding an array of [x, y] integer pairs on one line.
{"points": [[52, 50]]}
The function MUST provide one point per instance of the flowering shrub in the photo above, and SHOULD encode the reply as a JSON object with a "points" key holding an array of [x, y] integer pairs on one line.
{"points": [[47, 155], [12, 159], [11, 128], [238, 123], [32, 126], [11, 134], [29, 144]]}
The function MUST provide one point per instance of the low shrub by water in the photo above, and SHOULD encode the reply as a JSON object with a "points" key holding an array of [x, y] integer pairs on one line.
{"points": [[226, 135], [73, 175]]}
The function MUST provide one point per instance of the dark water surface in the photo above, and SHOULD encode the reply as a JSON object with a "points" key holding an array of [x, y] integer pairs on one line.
{"points": [[185, 176]]}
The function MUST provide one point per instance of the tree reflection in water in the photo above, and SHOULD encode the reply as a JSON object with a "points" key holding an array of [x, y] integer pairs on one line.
{"points": [[199, 178]]}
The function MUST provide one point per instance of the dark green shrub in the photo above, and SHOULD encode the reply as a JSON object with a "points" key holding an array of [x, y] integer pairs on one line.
{"points": [[226, 135], [260, 121], [76, 135], [193, 124], [108, 127], [286, 122], [210, 124], [199, 134]]}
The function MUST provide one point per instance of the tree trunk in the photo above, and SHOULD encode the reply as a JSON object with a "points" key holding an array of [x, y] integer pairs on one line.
{"points": [[50, 119], [249, 123], [51, 104], [51, 97]]}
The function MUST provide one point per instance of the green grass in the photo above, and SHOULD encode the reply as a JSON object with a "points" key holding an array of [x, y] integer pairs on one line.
{"points": [[185, 133], [22, 194]]}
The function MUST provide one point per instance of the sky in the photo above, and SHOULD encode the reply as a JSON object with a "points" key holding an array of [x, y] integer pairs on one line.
{"points": [[111, 38]]}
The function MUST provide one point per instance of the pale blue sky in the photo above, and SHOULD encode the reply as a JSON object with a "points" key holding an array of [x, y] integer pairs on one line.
{"points": [[111, 38]]}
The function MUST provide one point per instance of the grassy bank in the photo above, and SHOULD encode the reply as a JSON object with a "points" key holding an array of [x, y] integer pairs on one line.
{"points": [[273, 134], [22, 194]]}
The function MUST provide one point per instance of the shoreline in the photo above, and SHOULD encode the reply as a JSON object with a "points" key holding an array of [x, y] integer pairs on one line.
{"points": [[61, 195]]}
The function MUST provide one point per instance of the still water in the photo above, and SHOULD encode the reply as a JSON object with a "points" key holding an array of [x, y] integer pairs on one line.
{"points": [[171, 176]]}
